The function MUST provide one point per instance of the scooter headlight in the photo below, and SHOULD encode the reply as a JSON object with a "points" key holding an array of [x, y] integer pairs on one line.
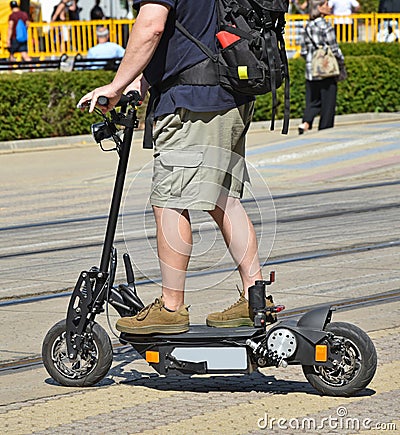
{"points": [[101, 131]]}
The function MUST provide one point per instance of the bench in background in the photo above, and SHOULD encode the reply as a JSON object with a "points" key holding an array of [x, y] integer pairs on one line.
{"points": [[64, 63]]}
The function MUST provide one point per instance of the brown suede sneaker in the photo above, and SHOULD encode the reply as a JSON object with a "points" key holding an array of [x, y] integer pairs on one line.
{"points": [[155, 319], [238, 314]]}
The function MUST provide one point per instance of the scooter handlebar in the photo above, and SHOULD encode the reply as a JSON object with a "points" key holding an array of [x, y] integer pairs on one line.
{"points": [[102, 101], [132, 97]]}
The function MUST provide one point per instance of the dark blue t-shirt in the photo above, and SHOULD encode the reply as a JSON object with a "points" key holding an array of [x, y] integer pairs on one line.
{"points": [[176, 53]]}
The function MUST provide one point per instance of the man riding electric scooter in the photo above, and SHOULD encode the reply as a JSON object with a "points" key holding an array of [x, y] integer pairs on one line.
{"points": [[199, 146], [199, 139]]}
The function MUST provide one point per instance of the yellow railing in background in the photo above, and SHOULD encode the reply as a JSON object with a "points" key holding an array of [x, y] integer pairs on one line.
{"points": [[360, 28], [48, 40]]}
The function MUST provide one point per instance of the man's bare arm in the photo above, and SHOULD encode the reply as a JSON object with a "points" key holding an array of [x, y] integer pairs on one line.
{"points": [[142, 44]]}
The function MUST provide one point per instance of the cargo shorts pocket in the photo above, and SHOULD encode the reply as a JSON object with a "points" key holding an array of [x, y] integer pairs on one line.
{"points": [[181, 171]]}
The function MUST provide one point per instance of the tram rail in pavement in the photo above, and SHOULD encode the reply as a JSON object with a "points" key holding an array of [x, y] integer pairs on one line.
{"points": [[133, 400]]}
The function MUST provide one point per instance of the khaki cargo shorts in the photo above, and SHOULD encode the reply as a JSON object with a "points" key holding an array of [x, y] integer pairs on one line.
{"points": [[199, 156]]}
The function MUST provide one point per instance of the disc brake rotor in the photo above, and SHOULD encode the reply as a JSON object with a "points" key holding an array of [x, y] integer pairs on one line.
{"points": [[85, 362], [346, 369]]}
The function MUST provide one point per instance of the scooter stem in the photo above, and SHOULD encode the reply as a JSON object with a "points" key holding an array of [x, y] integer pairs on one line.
{"points": [[117, 195]]}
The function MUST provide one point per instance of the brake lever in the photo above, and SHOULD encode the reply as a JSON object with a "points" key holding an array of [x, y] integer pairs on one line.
{"points": [[84, 105], [134, 98]]}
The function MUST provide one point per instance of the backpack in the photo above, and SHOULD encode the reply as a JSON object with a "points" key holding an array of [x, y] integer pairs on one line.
{"points": [[251, 57], [21, 33]]}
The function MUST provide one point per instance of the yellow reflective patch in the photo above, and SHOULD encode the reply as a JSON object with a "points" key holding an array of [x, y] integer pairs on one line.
{"points": [[242, 71]]}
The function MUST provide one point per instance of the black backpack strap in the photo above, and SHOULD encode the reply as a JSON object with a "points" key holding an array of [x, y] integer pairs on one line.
{"points": [[204, 73], [285, 63], [235, 31], [149, 120], [268, 29], [286, 112], [206, 50], [279, 30]]}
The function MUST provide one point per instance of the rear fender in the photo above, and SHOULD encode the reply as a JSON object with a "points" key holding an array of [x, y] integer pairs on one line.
{"points": [[317, 318], [309, 331]]}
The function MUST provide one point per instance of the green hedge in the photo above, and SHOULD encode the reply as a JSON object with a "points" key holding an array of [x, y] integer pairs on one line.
{"points": [[43, 104], [390, 50]]}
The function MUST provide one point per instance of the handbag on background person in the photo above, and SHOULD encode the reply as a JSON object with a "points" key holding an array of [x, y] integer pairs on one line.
{"points": [[324, 64]]}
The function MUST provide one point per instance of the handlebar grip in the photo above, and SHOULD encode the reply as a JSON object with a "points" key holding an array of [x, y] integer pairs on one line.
{"points": [[102, 101], [131, 97]]}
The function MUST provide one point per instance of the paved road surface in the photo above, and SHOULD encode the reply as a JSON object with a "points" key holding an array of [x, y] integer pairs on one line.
{"points": [[336, 196]]}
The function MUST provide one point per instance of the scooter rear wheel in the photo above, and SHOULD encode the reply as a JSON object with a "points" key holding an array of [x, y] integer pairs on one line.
{"points": [[92, 363], [356, 369]]}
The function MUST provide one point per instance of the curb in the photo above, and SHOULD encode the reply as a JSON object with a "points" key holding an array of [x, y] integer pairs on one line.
{"points": [[46, 144], [340, 120]]}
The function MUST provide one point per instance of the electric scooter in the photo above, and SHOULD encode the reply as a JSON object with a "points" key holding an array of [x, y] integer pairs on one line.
{"points": [[338, 359]]}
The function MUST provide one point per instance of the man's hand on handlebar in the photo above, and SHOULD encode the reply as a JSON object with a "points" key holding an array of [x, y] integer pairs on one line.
{"points": [[140, 85], [90, 99]]}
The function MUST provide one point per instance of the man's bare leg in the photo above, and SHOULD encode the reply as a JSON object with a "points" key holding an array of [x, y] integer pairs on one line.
{"points": [[240, 238], [174, 245]]}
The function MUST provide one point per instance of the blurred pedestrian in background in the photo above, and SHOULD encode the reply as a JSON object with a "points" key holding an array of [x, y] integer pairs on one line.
{"points": [[320, 93], [104, 48], [14, 45], [66, 10], [344, 25], [388, 28], [96, 13]]}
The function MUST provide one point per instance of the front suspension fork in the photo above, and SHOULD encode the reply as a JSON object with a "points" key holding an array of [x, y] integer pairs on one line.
{"points": [[92, 289], [83, 307]]}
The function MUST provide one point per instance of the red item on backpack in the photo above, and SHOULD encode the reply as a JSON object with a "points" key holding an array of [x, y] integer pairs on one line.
{"points": [[226, 38]]}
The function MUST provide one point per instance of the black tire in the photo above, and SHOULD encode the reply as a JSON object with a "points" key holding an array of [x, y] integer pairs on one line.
{"points": [[90, 366], [356, 369]]}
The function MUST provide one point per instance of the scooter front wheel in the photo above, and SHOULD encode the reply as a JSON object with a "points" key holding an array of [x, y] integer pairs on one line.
{"points": [[356, 368], [92, 363]]}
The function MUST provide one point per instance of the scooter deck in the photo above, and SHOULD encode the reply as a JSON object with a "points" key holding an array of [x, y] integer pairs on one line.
{"points": [[202, 349], [196, 333]]}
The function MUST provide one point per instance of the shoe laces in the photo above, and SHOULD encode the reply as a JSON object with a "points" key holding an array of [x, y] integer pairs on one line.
{"points": [[143, 313], [238, 302]]}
